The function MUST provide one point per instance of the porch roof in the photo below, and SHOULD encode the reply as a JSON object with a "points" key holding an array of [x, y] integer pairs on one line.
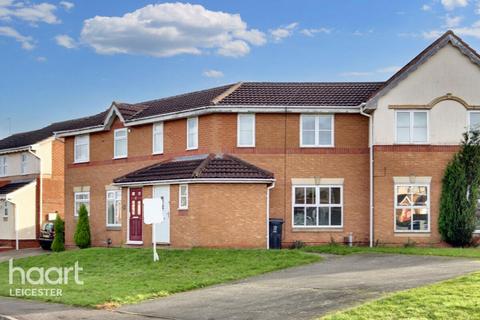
{"points": [[198, 168]]}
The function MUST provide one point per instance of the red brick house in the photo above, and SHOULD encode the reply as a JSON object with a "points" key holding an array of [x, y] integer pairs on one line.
{"points": [[332, 160]]}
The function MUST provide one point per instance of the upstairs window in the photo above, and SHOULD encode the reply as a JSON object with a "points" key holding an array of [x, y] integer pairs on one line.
{"points": [[192, 133], [316, 130], [120, 147], [23, 163], [474, 120], [3, 166], [82, 148], [411, 127], [246, 130], [158, 138]]}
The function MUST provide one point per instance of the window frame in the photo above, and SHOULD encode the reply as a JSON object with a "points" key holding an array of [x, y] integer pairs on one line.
{"points": [[317, 130], [411, 127], [155, 134], [76, 144], [75, 210], [3, 166], [23, 163], [180, 195], [395, 207], [115, 139], [195, 147], [115, 192], [317, 205], [239, 130], [469, 119]]}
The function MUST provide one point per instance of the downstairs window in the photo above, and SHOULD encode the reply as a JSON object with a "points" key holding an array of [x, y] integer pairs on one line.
{"points": [[412, 208], [318, 206]]}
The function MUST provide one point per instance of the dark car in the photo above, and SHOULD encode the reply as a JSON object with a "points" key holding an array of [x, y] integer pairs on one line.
{"points": [[47, 234]]}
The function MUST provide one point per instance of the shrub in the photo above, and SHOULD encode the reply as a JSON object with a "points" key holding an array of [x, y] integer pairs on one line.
{"points": [[58, 243], [82, 233], [460, 193], [297, 244]]}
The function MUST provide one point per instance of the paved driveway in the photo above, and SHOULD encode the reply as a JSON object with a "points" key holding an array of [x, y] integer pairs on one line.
{"points": [[22, 253], [296, 293]]}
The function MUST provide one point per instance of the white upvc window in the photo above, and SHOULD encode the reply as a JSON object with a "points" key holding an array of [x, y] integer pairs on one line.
{"points": [[317, 206], [82, 148], [120, 147], [412, 208], [183, 196], [3, 166], [81, 198], [114, 208], [192, 133], [158, 138], [316, 131], [474, 120], [23, 163], [246, 130], [411, 127]]}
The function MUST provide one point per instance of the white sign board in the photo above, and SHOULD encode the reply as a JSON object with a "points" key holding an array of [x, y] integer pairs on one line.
{"points": [[152, 211]]}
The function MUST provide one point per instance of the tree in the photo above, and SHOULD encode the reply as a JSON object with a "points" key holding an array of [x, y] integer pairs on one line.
{"points": [[460, 192], [58, 243], [82, 233]]}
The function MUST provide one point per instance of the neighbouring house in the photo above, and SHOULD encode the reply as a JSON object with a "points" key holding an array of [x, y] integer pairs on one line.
{"points": [[334, 161], [32, 180]]}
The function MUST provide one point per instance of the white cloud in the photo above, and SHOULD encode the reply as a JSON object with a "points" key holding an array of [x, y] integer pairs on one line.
{"points": [[472, 31], [432, 34], [426, 7], [41, 59], [65, 41], [283, 32], [451, 22], [213, 74], [25, 41], [34, 13], [313, 32], [452, 4], [477, 7], [389, 69], [67, 5], [169, 29], [362, 33]]}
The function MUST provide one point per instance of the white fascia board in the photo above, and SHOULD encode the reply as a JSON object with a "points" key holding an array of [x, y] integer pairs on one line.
{"points": [[244, 109], [13, 150], [68, 133], [109, 117], [191, 181]]}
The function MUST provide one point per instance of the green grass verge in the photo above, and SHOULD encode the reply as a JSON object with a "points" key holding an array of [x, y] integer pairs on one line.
{"points": [[424, 251], [119, 276], [454, 299]]}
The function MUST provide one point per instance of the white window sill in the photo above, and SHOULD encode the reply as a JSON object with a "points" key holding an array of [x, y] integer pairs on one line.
{"points": [[313, 147], [412, 234], [238, 146], [114, 226], [81, 161], [182, 209], [157, 153], [118, 158], [411, 143], [191, 149], [134, 242], [317, 229]]}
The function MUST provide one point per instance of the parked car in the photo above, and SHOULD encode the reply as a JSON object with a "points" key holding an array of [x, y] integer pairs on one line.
{"points": [[47, 233]]}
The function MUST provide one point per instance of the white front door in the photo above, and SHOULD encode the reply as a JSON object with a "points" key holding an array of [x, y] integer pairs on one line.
{"points": [[162, 230]]}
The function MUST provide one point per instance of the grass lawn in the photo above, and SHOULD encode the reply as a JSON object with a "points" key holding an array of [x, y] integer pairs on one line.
{"points": [[454, 299], [118, 276], [447, 252]]}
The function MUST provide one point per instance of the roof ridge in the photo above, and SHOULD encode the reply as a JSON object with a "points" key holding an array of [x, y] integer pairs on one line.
{"points": [[227, 92]]}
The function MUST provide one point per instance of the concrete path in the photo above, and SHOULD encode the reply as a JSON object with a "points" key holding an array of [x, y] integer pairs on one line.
{"points": [[22, 253], [297, 293]]}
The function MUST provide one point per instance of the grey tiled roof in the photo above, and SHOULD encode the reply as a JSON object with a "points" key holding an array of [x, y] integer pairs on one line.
{"points": [[13, 186]]}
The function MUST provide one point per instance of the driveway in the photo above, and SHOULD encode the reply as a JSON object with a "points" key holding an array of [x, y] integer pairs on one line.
{"points": [[22, 253], [297, 293]]}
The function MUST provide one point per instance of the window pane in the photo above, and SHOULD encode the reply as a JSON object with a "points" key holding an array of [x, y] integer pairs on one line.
{"points": [[475, 120], [311, 216], [403, 196], [403, 219], [325, 137], [335, 196], [310, 195], [323, 216], [246, 122], [403, 119], [120, 148], [308, 137], [308, 122], [336, 218], [419, 196], [299, 216], [246, 138], [299, 195], [324, 195], [419, 135], [420, 119], [403, 134], [111, 212], [325, 122], [420, 219]]}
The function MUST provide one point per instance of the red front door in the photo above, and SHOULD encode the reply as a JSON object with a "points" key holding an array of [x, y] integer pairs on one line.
{"points": [[136, 214]]}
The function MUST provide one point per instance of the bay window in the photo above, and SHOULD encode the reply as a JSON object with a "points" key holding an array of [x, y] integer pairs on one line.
{"points": [[412, 208], [318, 206], [411, 127], [316, 130]]}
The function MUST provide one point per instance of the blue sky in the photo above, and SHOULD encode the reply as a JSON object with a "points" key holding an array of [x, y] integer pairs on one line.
{"points": [[67, 59]]}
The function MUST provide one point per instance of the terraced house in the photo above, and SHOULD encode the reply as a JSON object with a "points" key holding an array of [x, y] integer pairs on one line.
{"points": [[358, 162]]}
